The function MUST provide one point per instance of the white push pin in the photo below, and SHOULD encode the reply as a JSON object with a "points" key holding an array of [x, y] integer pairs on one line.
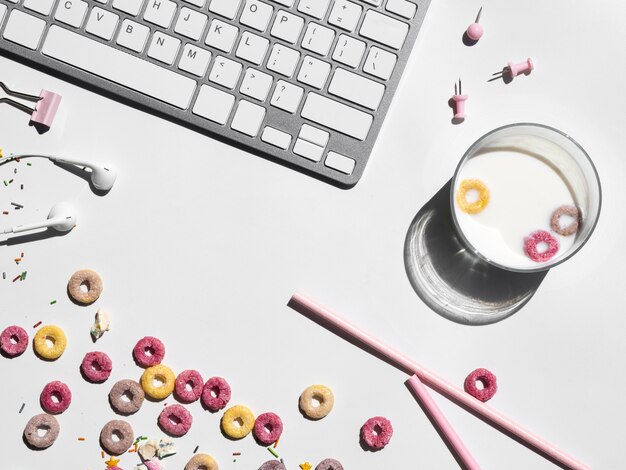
{"points": [[513, 70], [459, 102], [475, 30]]}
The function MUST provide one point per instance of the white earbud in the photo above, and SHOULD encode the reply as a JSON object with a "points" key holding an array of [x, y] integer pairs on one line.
{"points": [[60, 218], [102, 176]]}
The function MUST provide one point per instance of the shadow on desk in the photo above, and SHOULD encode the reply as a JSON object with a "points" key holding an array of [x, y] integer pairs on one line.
{"points": [[31, 237], [453, 281]]}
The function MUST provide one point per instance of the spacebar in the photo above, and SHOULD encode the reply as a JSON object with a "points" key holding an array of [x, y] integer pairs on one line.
{"points": [[119, 67]]}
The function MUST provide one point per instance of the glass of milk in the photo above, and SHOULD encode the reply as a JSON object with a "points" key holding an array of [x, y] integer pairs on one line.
{"points": [[505, 192]]}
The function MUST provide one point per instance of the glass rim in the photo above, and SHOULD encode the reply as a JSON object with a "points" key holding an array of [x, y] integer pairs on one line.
{"points": [[464, 158]]}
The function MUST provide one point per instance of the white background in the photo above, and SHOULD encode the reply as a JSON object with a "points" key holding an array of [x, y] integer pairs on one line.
{"points": [[202, 245]]}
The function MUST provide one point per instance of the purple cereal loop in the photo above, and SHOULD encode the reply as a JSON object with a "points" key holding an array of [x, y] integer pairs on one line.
{"points": [[377, 432], [96, 366], [126, 387], [540, 236], [123, 431], [10, 334], [152, 344], [555, 220], [57, 390], [196, 381], [490, 384], [220, 387], [175, 420], [273, 465], [329, 464], [41, 421], [267, 428]]}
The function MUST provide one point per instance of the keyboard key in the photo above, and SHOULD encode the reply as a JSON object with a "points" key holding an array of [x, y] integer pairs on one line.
{"points": [[314, 135], [337, 116], [213, 104], [355, 88], [252, 48], [190, 23], [102, 23], [163, 48], [345, 15], [198, 3], [256, 15], [276, 138], [24, 29], [402, 8], [380, 63], [71, 12], [349, 51], [315, 8], [339, 162], [40, 6], [256, 84], [225, 72], [225, 8], [222, 36], [119, 67], [384, 29], [248, 118], [132, 7], [318, 38], [283, 60], [314, 72], [160, 12], [133, 35], [308, 150], [287, 96], [194, 60], [287, 26]]}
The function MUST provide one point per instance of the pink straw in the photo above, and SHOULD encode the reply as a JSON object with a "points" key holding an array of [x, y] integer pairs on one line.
{"points": [[488, 414], [442, 423]]}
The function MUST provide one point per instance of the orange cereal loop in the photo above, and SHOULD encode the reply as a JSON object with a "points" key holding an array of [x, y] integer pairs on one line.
{"points": [[476, 206]]}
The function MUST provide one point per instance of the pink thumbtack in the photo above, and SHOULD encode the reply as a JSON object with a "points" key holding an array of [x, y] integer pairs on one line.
{"points": [[459, 102], [475, 30], [523, 67], [46, 105]]}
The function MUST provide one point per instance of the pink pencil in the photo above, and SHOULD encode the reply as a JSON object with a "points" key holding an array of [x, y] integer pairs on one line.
{"points": [[442, 423], [488, 414]]}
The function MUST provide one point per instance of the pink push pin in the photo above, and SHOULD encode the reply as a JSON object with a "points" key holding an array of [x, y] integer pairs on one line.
{"points": [[513, 70], [459, 102], [46, 105], [475, 30]]}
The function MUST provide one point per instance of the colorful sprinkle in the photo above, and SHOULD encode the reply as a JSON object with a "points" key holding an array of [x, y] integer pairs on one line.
{"points": [[273, 452], [36, 324], [53, 302], [22, 407]]}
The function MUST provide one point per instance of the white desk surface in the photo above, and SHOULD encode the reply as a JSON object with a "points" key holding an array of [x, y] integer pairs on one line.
{"points": [[202, 245]]}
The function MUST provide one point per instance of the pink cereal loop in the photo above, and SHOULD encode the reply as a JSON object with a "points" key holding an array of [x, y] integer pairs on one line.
{"points": [[175, 420], [195, 380], [57, 390], [377, 432], [154, 346], [540, 236], [267, 428], [7, 338], [220, 387], [490, 384], [96, 366]]}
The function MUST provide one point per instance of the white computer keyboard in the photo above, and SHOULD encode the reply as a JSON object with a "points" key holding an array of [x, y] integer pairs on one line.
{"points": [[304, 82]]}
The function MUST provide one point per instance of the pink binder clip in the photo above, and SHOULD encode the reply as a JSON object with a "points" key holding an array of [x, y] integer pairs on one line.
{"points": [[46, 105]]}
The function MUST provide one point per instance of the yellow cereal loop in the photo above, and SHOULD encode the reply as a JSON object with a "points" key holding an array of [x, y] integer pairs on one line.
{"points": [[476, 206], [201, 462], [237, 421], [317, 401], [158, 373], [56, 336]]}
